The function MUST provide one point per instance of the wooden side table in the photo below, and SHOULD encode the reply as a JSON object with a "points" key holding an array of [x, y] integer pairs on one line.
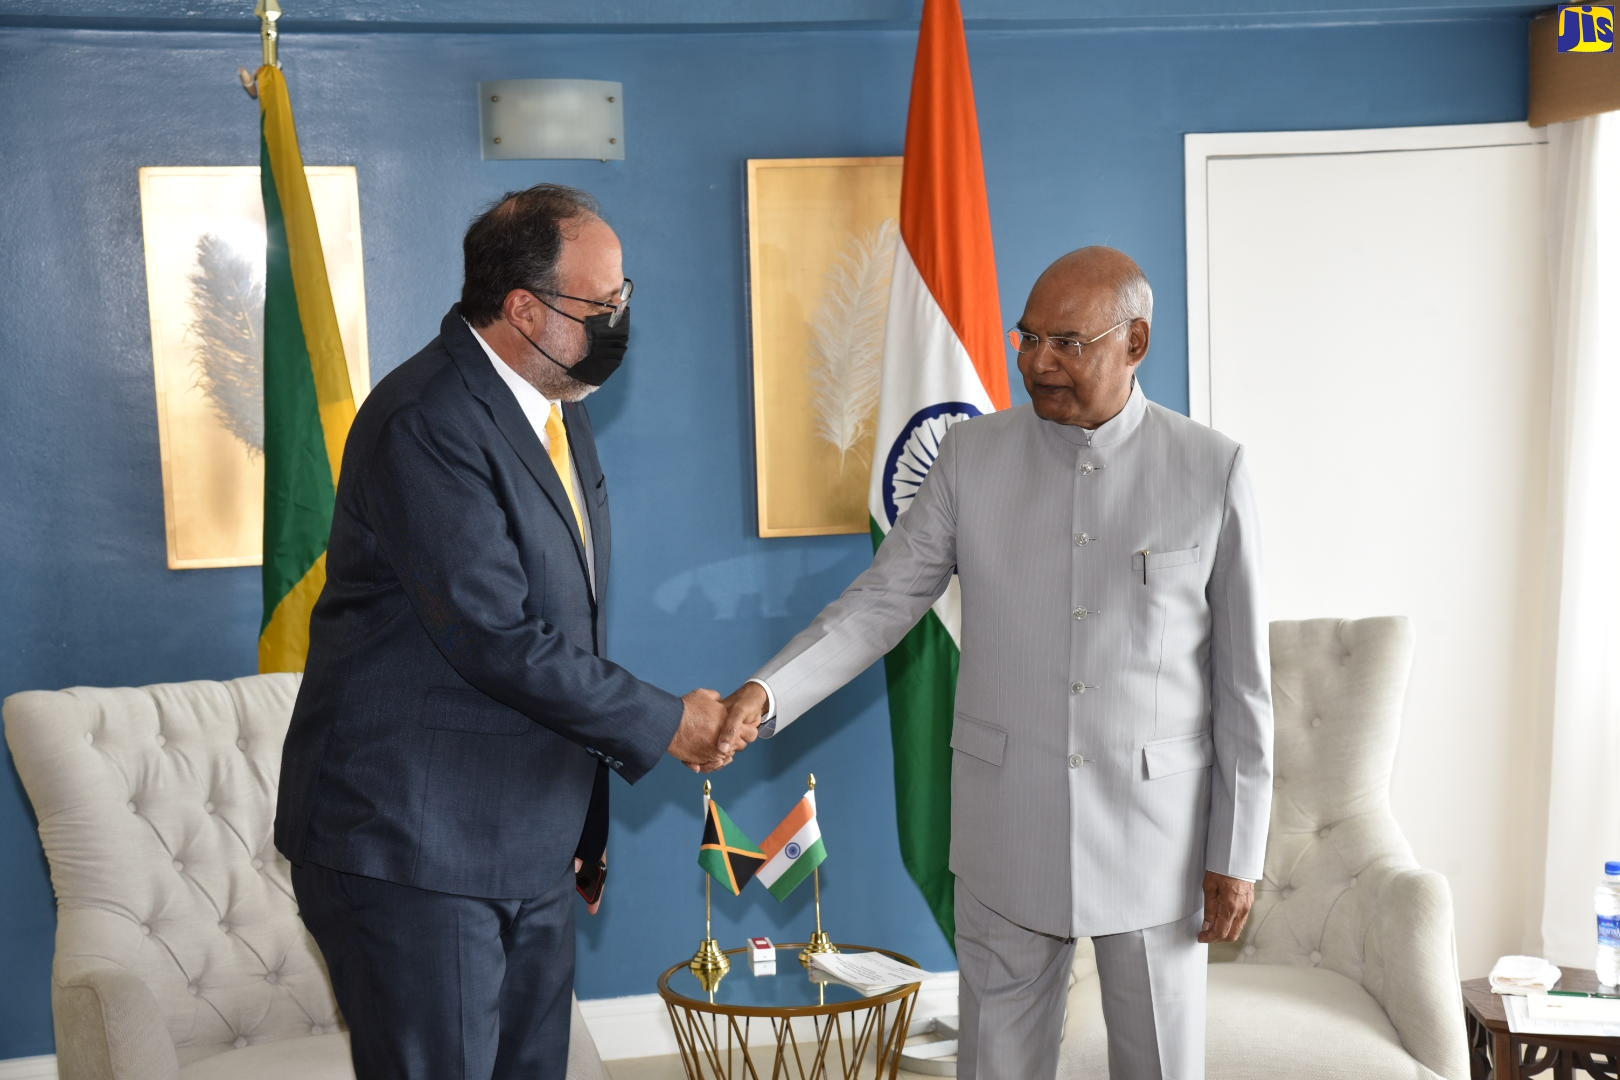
{"points": [[1495, 1053], [818, 1030]]}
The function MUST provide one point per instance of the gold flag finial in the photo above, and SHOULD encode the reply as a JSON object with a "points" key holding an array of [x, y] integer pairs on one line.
{"points": [[812, 781], [708, 788], [268, 12]]}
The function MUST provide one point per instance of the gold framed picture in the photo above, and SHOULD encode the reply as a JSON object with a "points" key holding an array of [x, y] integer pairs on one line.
{"points": [[203, 229], [821, 243]]}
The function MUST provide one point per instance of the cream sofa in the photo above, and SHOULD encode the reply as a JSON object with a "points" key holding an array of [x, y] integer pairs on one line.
{"points": [[179, 951], [1347, 969]]}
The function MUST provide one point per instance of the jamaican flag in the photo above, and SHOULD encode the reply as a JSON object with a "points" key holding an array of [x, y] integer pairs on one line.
{"points": [[308, 402], [727, 853]]}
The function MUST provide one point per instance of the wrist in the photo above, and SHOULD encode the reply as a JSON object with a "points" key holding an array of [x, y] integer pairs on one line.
{"points": [[756, 694]]}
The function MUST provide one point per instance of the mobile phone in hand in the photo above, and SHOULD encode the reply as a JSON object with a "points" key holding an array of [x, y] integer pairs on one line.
{"points": [[589, 881]]}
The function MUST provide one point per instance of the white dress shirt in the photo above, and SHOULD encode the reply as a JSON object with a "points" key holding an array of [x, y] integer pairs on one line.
{"points": [[537, 410]]}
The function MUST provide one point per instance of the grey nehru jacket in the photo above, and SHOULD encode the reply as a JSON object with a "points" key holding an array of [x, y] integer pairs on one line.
{"points": [[1112, 738]]}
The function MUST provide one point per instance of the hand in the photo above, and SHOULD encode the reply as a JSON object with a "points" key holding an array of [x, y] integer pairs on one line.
{"points": [[746, 708], [701, 741], [1227, 901], [579, 864]]}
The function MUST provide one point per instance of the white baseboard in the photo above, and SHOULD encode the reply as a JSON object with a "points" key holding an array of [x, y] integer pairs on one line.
{"points": [[638, 1026], [29, 1068], [630, 1027], [623, 1027]]}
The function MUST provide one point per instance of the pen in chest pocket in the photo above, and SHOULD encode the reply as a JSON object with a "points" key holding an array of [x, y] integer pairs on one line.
{"points": [[1144, 565]]}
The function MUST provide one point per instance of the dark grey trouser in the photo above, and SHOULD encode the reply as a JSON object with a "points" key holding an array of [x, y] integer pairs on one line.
{"points": [[436, 986]]}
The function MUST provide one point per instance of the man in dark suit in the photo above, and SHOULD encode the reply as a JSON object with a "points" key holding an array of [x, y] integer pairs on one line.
{"points": [[445, 774]]}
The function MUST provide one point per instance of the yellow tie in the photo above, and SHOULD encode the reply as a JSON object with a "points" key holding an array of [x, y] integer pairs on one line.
{"points": [[557, 433]]}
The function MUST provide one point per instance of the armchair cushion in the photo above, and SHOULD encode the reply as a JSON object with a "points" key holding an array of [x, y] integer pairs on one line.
{"points": [[1334, 1029], [319, 1057], [326, 1057]]}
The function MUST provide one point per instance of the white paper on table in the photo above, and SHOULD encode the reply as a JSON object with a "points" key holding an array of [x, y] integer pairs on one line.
{"points": [[1520, 1022], [867, 971], [1590, 1010], [821, 978]]}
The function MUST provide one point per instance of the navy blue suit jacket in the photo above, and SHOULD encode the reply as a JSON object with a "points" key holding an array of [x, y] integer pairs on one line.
{"points": [[456, 714]]}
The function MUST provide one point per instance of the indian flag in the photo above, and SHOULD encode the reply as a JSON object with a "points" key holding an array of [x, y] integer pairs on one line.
{"points": [[793, 849], [944, 361], [308, 401]]}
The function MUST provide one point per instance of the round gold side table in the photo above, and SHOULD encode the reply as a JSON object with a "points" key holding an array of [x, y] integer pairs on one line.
{"points": [[817, 1030]]}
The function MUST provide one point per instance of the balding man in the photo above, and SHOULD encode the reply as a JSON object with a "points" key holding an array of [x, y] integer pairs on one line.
{"points": [[1111, 773]]}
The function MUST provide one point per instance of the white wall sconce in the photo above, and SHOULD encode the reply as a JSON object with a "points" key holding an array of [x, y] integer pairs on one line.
{"points": [[551, 118]]}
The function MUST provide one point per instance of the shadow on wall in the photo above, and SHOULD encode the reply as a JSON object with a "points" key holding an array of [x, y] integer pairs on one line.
{"points": [[753, 586]]}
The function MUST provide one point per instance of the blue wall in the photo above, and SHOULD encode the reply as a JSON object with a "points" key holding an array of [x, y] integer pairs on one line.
{"points": [[1083, 142]]}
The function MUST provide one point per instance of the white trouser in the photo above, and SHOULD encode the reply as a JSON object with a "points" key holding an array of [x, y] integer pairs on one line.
{"points": [[1015, 982]]}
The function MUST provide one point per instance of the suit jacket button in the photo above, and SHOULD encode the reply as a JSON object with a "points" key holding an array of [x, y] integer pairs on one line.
{"points": [[1075, 761]]}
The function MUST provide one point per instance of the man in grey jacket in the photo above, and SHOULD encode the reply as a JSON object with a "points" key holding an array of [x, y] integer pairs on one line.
{"points": [[1111, 773]]}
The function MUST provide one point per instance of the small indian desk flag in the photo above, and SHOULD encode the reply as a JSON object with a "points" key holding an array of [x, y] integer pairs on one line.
{"points": [[793, 850], [727, 853]]}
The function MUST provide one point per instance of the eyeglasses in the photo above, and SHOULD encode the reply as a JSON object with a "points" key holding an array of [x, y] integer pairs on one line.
{"points": [[618, 307], [1026, 343]]}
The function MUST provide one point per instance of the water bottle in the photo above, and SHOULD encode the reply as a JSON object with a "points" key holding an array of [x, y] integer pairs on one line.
{"points": [[1607, 903]]}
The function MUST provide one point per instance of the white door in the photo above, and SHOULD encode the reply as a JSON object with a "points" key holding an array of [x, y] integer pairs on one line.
{"points": [[1367, 313]]}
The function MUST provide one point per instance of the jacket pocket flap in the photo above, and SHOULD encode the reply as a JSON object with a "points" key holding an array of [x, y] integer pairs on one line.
{"points": [[1164, 560], [978, 739], [1168, 756], [468, 710]]}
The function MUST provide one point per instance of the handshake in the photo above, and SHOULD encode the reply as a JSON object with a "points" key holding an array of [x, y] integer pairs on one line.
{"points": [[714, 729]]}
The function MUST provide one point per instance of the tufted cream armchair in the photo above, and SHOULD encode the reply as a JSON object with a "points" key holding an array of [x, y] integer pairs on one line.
{"points": [[1347, 969], [179, 951]]}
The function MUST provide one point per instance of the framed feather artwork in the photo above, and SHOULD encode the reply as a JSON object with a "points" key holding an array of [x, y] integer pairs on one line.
{"points": [[821, 246], [204, 235]]}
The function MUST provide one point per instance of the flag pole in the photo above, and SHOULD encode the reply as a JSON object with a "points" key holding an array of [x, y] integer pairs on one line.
{"points": [[820, 942], [268, 12], [268, 36], [709, 964]]}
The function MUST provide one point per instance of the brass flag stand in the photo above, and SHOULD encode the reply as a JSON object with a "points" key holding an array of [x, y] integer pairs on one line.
{"points": [[709, 963], [820, 941]]}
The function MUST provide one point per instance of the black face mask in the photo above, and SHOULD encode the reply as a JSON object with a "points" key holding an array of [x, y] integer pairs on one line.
{"points": [[604, 346]]}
